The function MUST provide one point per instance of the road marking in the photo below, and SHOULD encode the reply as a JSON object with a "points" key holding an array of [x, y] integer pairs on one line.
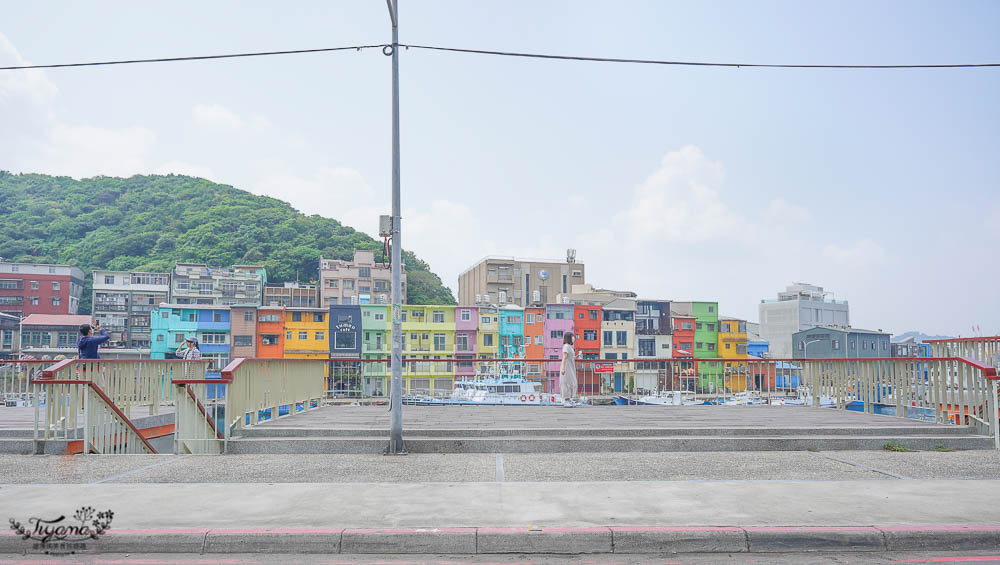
{"points": [[127, 473], [499, 468], [864, 467]]}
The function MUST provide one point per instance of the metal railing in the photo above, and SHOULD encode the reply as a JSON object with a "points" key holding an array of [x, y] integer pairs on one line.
{"points": [[15, 379], [92, 400], [249, 391], [983, 349]]}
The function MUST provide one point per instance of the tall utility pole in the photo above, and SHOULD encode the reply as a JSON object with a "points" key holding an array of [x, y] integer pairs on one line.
{"points": [[396, 385]]}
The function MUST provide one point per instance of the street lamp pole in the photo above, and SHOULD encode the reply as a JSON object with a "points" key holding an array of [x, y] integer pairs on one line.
{"points": [[396, 446]]}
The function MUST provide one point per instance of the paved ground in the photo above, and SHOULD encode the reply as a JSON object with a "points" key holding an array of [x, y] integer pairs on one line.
{"points": [[476, 467], [466, 417], [951, 558]]}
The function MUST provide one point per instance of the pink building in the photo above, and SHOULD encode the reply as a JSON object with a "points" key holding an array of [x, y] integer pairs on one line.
{"points": [[466, 342], [558, 320]]}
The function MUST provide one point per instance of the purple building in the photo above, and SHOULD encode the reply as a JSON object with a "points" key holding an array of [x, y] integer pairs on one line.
{"points": [[466, 328], [558, 320]]}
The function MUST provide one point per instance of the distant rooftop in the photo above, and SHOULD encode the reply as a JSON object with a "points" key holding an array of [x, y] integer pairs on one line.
{"points": [[55, 320]]}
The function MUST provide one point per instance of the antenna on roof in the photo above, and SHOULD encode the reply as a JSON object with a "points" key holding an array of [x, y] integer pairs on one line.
{"points": [[571, 256]]}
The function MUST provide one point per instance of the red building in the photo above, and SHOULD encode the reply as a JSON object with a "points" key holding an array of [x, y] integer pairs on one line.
{"points": [[534, 338], [587, 327], [27, 288], [685, 375]]}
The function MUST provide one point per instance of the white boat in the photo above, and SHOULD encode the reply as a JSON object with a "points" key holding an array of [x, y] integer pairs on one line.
{"points": [[743, 398], [502, 391], [669, 398]]}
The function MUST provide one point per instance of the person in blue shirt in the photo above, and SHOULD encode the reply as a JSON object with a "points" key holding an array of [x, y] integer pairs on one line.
{"points": [[87, 344]]}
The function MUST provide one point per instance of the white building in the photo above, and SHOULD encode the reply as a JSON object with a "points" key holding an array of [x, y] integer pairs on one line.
{"points": [[801, 306], [122, 301]]}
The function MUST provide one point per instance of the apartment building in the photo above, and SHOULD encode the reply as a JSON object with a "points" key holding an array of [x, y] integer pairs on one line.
{"points": [[359, 281], [831, 342], [558, 321], [653, 340], [801, 306], [122, 302], [466, 339], [706, 341], [534, 341], [197, 283], [502, 280], [10, 336], [172, 324], [307, 334], [511, 331], [47, 335], [28, 288], [733, 345], [243, 328], [291, 294], [618, 341], [271, 332]]}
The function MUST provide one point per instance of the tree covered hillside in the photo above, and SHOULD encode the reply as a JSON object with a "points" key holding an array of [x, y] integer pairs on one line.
{"points": [[148, 223]]}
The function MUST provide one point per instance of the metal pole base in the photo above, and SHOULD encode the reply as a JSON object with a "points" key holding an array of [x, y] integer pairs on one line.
{"points": [[392, 449]]}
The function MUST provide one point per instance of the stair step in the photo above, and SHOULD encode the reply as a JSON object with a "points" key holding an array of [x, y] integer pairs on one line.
{"points": [[581, 444], [266, 431]]}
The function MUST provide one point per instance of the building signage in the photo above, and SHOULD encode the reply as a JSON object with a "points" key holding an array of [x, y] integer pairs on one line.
{"points": [[346, 327], [604, 367]]}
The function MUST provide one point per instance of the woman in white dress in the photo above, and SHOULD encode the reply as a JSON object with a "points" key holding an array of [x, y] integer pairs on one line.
{"points": [[567, 371]]}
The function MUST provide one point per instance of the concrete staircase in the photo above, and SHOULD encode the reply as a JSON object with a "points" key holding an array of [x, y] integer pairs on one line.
{"points": [[275, 438]]}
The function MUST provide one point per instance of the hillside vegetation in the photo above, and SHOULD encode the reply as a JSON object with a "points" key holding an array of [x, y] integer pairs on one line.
{"points": [[148, 223]]}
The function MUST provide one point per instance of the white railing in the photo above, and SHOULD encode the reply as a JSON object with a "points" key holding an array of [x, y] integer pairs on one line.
{"points": [[90, 401], [248, 392], [15, 378], [986, 350]]}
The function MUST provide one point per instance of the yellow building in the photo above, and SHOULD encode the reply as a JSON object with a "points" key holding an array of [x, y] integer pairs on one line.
{"points": [[733, 345], [428, 334], [488, 337], [307, 333]]}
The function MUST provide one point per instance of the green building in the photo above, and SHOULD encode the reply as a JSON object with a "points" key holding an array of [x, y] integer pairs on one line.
{"points": [[706, 340]]}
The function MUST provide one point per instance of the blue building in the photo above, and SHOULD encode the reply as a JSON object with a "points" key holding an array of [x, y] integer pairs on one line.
{"points": [[172, 324], [758, 348]]}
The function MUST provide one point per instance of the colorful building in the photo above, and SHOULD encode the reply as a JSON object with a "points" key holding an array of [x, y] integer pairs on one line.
{"points": [[271, 332], [27, 288], [307, 333], [375, 344], [587, 330], [428, 335], [733, 345], [558, 321], [345, 342], [653, 341], [706, 340], [466, 344], [534, 348], [244, 331], [489, 335], [511, 331], [618, 342], [171, 324]]}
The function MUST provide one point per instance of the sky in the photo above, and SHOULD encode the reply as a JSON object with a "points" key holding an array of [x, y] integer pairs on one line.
{"points": [[683, 183]]}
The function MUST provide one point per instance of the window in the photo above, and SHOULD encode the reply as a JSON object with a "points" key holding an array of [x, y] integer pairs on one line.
{"points": [[56, 301], [344, 340], [248, 316], [243, 340], [686, 325], [288, 335], [65, 339], [711, 327], [10, 284], [159, 337], [303, 335], [885, 345], [853, 346], [697, 326], [487, 340], [331, 301], [647, 347], [34, 301], [348, 284], [611, 356], [439, 344], [802, 346], [528, 318], [379, 316], [699, 345], [320, 336], [269, 318], [178, 338], [166, 314], [213, 338], [317, 317], [594, 314], [365, 272], [438, 317], [332, 283], [467, 315], [296, 316], [608, 336], [556, 334], [711, 308], [727, 346], [55, 286], [484, 320], [874, 347], [711, 347], [836, 344], [590, 335], [462, 342], [269, 339], [538, 340], [621, 338], [216, 316]]}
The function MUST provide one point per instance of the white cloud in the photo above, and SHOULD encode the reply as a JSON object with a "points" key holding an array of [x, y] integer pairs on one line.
{"points": [[215, 115], [782, 211], [863, 253]]}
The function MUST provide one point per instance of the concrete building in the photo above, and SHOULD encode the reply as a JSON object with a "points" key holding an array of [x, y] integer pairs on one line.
{"points": [[243, 329], [653, 340], [10, 336], [122, 302], [196, 283], [618, 341], [359, 281], [800, 307], [586, 294], [524, 282], [291, 294], [832, 342], [44, 336], [466, 342], [28, 288]]}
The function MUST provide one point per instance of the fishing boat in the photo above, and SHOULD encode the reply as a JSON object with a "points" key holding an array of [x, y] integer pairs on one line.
{"points": [[501, 391], [662, 398]]}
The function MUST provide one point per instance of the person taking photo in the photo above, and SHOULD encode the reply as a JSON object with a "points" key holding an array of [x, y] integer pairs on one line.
{"points": [[88, 343]]}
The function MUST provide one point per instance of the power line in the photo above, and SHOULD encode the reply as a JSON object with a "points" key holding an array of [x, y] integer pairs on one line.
{"points": [[387, 49], [690, 63], [194, 58]]}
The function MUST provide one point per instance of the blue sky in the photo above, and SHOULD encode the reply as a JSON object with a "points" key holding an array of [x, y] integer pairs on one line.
{"points": [[676, 182]]}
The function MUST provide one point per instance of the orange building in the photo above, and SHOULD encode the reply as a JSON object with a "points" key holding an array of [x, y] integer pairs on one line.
{"points": [[271, 332], [534, 331], [587, 327]]}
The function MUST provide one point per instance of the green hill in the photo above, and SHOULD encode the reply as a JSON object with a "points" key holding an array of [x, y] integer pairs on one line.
{"points": [[148, 223]]}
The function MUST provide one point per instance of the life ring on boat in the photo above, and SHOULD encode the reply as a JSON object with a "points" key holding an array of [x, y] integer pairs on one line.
{"points": [[522, 398], [553, 399], [531, 398]]}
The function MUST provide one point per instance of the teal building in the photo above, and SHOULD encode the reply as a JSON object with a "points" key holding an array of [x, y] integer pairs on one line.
{"points": [[171, 324]]}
